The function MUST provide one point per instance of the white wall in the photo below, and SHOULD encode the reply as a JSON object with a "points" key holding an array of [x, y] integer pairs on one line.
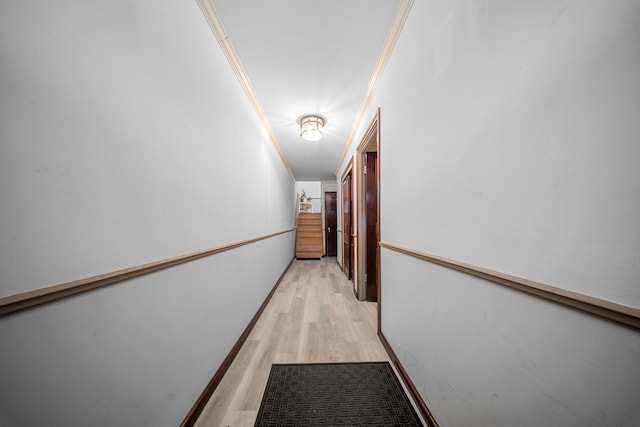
{"points": [[125, 138], [312, 189], [328, 187], [509, 140], [136, 353], [528, 141], [484, 355]]}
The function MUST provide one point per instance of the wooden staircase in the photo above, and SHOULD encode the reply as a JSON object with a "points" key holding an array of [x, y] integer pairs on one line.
{"points": [[309, 236]]}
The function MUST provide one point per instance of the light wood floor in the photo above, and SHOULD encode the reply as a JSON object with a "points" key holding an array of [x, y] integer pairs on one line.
{"points": [[312, 317]]}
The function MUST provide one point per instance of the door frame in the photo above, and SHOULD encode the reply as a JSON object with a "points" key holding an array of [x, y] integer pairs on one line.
{"points": [[369, 142], [348, 234], [328, 231]]}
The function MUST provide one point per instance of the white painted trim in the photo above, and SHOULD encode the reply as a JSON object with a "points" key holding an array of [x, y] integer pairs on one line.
{"points": [[392, 37], [215, 23]]}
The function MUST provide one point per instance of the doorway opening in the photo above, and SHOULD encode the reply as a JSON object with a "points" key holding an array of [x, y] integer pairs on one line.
{"points": [[347, 223], [331, 223], [368, 206]]}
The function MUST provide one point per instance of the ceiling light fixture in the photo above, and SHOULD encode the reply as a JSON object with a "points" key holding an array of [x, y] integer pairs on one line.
{"points": [[311, 126]]}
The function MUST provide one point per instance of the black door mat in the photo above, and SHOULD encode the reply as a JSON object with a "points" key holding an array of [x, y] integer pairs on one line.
{"points": [[335, 394]]}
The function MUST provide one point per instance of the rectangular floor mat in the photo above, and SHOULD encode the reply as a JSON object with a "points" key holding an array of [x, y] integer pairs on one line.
{"points": [[335, 394]]}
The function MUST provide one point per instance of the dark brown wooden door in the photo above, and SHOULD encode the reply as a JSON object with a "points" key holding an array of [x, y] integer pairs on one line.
{"points": [[371, 202], [347, 228], [331, 223]]}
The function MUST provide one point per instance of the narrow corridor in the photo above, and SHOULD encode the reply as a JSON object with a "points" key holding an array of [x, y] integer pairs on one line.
{"points": [[312, 317]]}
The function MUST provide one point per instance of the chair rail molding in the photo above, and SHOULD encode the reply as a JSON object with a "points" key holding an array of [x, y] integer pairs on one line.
{"points": [[619, 313], [23, 301]]}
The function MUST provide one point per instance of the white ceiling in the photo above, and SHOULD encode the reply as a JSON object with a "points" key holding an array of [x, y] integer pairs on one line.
{"points": [[304, 56]]}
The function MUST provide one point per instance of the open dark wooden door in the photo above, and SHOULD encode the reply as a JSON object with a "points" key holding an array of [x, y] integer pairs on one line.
{"points": [[347, 227], [331, 223], [371, 202]]}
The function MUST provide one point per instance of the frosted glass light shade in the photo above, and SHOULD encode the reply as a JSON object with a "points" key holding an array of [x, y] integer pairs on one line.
{"points": [[311, 127]]}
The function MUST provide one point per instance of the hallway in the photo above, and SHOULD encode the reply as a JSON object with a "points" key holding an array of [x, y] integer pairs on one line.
{"points": [[151, 158], [312, 317]]}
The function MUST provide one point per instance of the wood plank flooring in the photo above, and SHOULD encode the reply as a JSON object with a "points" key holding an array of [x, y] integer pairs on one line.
{"points": [[312, 317]]}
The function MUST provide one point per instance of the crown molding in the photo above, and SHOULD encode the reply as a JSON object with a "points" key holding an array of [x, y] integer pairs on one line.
{"points": [[402, 12], [215, 23]]}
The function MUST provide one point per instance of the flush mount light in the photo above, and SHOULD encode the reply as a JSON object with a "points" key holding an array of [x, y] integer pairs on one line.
{"points": [[311, 126]]}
